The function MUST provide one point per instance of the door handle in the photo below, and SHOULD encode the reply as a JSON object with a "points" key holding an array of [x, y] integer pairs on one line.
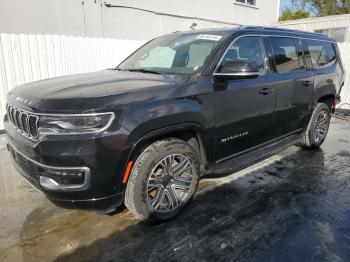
{"points": [[307, 83], [265, 91]]}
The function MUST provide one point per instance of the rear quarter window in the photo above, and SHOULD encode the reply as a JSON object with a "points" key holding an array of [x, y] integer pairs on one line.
{"points": [[322, 54]]}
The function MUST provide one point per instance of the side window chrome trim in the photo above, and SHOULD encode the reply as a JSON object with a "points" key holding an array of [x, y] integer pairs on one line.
{"points": [[262, 35], [307, 60], [231, 43], [235, 74]]}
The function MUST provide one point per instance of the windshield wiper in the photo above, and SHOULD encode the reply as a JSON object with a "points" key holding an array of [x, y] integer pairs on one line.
{"points": [[117, 68], [143, 70]]}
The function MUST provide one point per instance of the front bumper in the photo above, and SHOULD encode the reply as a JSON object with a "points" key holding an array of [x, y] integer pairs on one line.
{"points": [[94, 163], [50, 177], [27, 168]]}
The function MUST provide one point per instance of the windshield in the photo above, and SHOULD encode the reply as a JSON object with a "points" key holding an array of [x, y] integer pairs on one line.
{"points": [[173, 54]]}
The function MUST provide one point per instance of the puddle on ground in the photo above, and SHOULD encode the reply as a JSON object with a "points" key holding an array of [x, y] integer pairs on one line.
{"points": [[293, 206]]}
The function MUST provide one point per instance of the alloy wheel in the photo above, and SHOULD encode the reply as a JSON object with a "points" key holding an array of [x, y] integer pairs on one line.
{"points": [[321, 127], [169, 183]]}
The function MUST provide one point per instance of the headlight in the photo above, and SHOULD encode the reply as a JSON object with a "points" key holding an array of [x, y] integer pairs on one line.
{"points": [[74, 124]]}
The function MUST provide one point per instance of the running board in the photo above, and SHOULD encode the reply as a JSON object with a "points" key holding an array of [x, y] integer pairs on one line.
{"points": [[238, 162]]}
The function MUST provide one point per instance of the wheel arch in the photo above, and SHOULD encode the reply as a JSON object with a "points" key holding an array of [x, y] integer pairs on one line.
{"points": [[329, 100], [185, 132], [325, 91], [189, 132]]}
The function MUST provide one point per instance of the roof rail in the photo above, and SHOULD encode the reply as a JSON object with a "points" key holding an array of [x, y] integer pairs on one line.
{"points": [[279, 29], [270, 28]]}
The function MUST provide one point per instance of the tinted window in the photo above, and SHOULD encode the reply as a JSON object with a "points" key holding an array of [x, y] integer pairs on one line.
{"points": [[287, 54], [248, 48], [322, 54]]}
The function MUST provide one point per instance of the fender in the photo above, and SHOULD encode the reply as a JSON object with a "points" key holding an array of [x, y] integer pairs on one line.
{"points": [[325, 90], [326, 82], [204, 143], [203, 138], [321, 91]]}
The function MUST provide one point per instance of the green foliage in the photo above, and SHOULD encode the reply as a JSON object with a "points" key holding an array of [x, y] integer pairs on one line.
{"points": [[324, 7], [293, 15]]}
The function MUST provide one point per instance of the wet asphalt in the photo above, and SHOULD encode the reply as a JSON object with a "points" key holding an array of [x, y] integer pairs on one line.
{"points": [[294, 206]]}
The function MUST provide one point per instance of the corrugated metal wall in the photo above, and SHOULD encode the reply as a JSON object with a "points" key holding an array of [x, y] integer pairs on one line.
{"points": [[318, 23], [345, 94], [27, 58]]}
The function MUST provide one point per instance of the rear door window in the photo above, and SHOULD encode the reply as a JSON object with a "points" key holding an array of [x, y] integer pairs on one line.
{"points": [[322, 54], [287, 54]]}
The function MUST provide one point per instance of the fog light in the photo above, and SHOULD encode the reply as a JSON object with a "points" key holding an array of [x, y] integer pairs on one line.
{"points": [[48, 182]]}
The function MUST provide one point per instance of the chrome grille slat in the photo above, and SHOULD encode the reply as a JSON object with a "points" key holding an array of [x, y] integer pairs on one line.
{"points": [[18, 119], [24, 122], [7, 109], [12, 112], [33, 125]]}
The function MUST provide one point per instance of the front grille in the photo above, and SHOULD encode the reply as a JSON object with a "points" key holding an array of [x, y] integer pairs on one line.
{"points": [[26, 164], [30, 169], [25, 122]]}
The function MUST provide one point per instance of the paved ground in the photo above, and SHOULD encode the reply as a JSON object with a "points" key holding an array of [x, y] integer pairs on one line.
{"points": [[294, 206]]}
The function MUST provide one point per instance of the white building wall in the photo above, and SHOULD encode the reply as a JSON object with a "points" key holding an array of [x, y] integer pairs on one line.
{"points": [[141, 20]]}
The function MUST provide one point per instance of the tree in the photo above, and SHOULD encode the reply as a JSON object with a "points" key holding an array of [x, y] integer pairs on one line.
{"points": [[288, 14], [324, 7]]}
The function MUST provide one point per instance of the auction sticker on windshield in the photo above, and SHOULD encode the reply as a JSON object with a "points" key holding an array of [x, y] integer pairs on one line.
{"points": [[210, 37]]}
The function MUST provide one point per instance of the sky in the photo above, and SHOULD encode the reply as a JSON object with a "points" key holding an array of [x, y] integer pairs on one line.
{"points": [[284, 5]]}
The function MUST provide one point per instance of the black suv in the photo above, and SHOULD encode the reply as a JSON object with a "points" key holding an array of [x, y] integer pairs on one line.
{"points": [[183, 105]]}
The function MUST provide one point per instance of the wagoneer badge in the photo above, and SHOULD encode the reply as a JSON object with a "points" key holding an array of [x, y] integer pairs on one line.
{"points": [[236, 136]]}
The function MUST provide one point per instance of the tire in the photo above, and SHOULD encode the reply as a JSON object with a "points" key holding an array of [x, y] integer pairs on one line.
{"points": [[317, 129], [158, 190]]}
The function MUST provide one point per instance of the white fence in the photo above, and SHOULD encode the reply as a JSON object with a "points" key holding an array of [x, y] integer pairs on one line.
{"points": [[27, 58], [345, 94]]}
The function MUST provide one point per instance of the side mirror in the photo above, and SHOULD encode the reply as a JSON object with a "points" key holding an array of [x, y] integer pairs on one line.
{"points": [[238, 69]]}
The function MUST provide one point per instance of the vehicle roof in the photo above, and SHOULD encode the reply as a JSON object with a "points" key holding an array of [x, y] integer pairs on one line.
{"points": [[262, 30]]}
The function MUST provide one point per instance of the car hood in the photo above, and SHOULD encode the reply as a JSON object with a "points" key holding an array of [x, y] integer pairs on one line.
{"points": [[92, 91]]}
